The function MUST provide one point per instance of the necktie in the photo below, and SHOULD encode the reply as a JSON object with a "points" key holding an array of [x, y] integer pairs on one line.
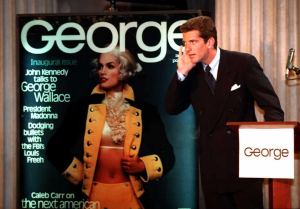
{"points": [[210, 79]]}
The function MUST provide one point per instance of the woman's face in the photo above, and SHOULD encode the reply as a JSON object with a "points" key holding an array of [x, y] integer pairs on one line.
{"points": [[109, 72]]}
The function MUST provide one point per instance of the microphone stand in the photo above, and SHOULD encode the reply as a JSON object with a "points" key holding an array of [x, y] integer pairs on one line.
{"points": [[291, 72]]}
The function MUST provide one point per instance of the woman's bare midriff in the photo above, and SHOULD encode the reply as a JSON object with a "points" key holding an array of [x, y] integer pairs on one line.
{"points": [[108, 168]]}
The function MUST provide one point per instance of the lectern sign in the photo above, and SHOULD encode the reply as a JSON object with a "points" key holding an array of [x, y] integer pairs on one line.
{"points": [[266, 152]]}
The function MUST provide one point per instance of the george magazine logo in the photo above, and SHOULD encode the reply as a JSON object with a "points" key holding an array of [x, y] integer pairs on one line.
{"points": [[168, 35]]}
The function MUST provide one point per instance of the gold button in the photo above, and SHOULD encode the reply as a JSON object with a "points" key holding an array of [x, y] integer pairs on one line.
{"points": [[91, 120]]}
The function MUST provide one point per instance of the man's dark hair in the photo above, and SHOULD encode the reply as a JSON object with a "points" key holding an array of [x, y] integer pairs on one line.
{"points": [[204, 24]]}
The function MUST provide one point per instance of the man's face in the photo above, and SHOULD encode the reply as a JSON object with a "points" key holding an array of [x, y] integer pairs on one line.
{"points": [[195, 47]]}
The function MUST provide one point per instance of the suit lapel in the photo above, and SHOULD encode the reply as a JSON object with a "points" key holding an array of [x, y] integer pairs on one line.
{"points": [[223, 84], [225, 75]]}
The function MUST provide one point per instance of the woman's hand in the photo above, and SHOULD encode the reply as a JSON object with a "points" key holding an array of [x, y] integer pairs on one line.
{"points": [[132, 165]]}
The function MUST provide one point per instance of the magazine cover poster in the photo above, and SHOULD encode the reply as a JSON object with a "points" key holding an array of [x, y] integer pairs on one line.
{"points": [[57, 60]]}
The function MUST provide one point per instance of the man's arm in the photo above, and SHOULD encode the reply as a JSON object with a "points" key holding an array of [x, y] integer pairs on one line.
{"points": [[177, 97], [263, 92]]}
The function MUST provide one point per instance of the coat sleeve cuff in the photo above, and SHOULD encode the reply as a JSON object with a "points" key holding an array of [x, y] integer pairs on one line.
{"points": [[154, 167], [74, 172]]}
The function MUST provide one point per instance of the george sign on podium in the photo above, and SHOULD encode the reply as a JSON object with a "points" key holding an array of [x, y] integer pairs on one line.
{"points": [[266, 150]]}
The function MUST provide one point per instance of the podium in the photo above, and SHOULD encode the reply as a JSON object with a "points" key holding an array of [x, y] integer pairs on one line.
{"points": [[279, 188]]}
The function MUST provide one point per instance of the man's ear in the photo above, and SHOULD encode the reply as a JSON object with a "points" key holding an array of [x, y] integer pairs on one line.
{"points": [[210, 42]]}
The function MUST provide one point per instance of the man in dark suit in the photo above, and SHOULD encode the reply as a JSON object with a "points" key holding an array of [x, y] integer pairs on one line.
{"points": [[221, 86]]}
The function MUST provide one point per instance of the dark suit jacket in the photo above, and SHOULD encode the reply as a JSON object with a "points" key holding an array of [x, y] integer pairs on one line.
{"points": [[218, 145]]}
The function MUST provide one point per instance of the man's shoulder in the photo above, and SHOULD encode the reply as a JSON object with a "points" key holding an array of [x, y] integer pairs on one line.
{"points": [[236, 54]]}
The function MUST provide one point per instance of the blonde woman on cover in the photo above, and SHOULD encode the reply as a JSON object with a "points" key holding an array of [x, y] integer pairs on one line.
{"points": [[110, 143]]}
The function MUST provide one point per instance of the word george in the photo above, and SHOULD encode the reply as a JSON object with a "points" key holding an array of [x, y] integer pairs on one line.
{"points": [[277, 154], [166, 36]]}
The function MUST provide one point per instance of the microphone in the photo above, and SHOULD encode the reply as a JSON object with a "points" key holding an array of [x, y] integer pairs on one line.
{"points": [[289, 63]]}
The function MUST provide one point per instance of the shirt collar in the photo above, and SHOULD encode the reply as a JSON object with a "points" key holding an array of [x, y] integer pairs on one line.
{"points": [[215, 61], [214, 65]]}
